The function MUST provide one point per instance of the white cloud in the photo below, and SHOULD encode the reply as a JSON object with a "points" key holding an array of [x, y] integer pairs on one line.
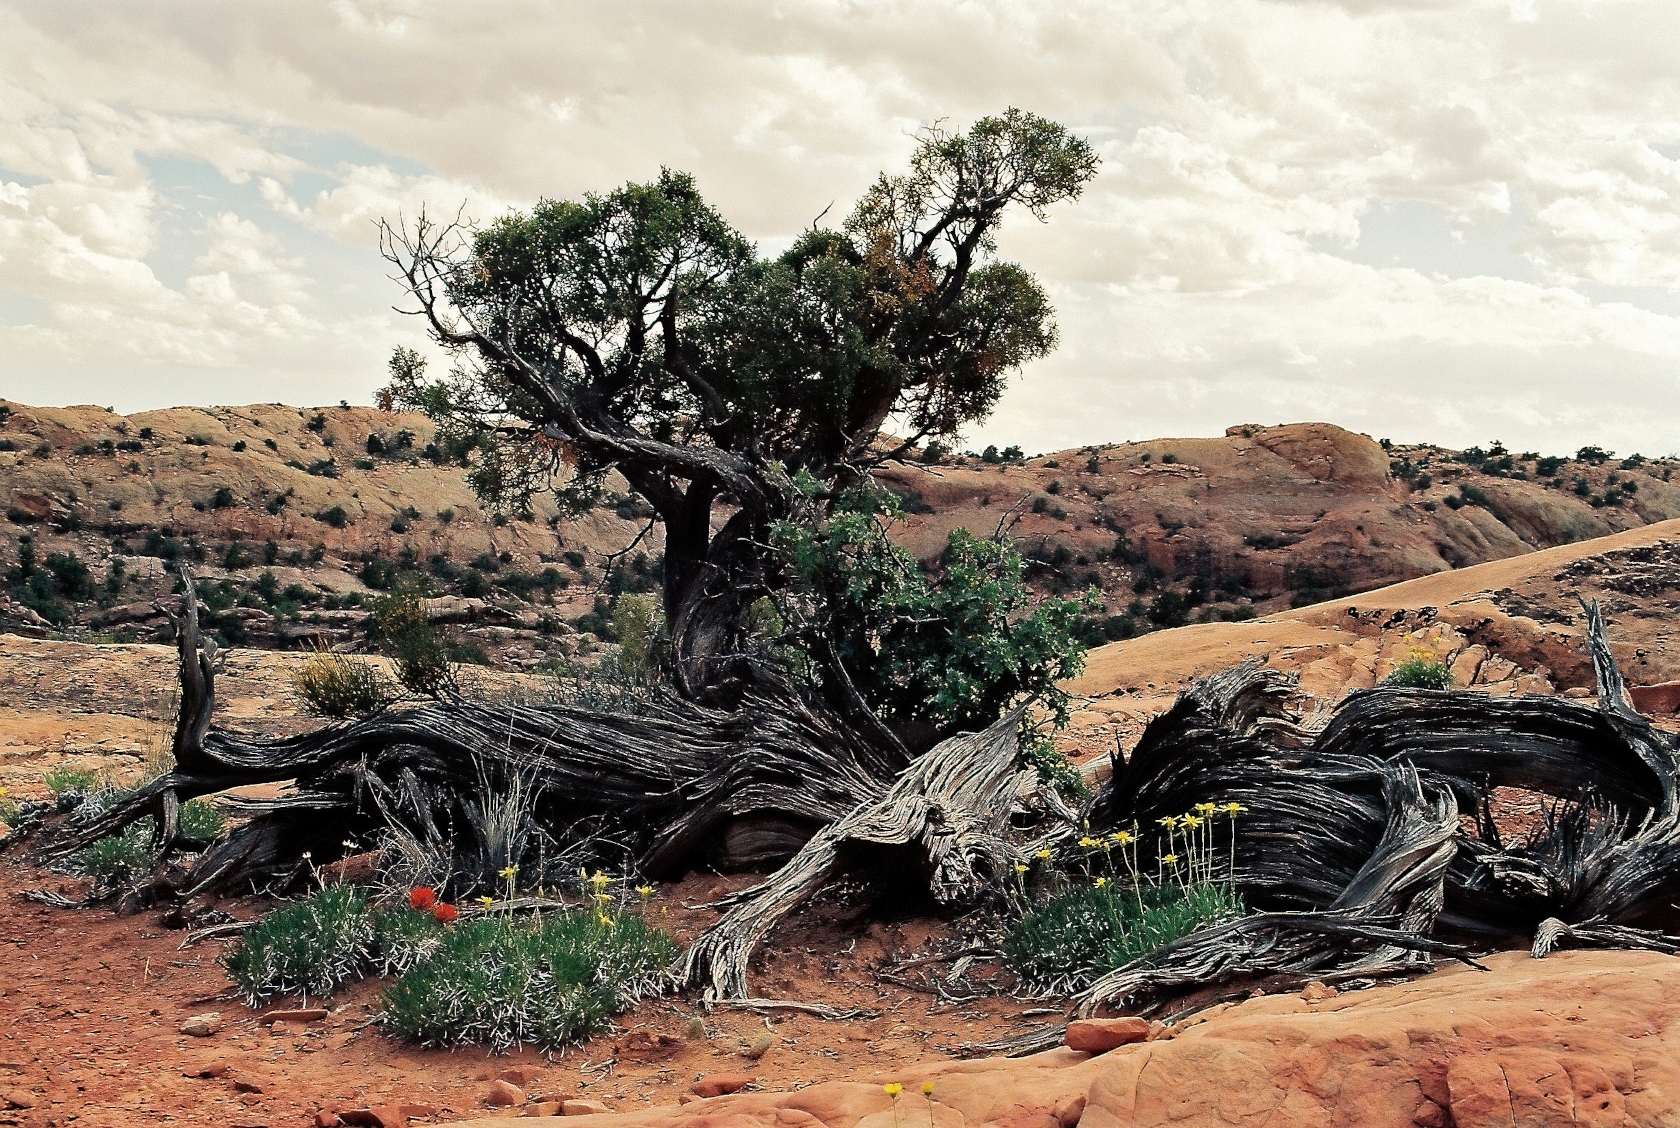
{"points": [[1218, 266]]}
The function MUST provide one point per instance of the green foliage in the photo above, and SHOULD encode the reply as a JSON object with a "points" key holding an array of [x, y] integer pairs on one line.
{"points": [[1077, 936], [639, 625], [503, 983], [308, 948], [338, 685], [119, 861], [1421, 672], [201, 821], [422, 657], [61, 780], [952, 648], [402, 937]]}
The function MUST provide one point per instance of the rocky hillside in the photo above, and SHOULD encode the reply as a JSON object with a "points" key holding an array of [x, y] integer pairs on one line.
{"points": [[295, 517]]}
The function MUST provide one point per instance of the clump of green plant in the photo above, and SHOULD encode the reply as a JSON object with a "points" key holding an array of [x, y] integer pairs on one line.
{"points": [[201, 821], [551, 983], [404, 936], [120, 860], [308, 948], [948, 648], [419, 653], [1119, 913], [338, 685], [1422, 670], [62, 780]]}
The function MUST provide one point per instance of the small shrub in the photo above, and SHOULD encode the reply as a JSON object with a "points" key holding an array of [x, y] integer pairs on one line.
{"points": [[553, 984], [336, 517], [338, 685], [402, 937], [61, 780], [309, 948], [1421, 672], [201, 821], [119, 861], [1078, 936], [416, 648]]}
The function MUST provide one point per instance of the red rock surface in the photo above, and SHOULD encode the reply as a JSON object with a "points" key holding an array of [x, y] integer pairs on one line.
{"points": [[1099, 1035], [1580, 1038]]}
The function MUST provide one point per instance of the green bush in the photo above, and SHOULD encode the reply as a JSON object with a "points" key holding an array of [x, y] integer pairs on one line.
{"points": [[402, 937], [551, 984], [61, 780], [1420, 672], [119, 861], [338, 685], [419, 652], [201, 820], [309, 948], [1074, 938]]}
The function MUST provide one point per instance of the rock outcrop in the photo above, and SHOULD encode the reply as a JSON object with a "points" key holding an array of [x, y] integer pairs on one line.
{"points": [[1580, 1038]]}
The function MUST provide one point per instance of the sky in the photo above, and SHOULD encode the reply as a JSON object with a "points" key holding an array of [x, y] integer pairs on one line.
{"points": [[1429, 220]]}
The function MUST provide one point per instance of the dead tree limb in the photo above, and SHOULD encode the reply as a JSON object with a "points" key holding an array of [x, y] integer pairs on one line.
{"points": [[945, 818], [1351, 844]]}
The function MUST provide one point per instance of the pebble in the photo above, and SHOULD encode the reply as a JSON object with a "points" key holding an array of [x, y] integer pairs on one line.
{"points": [[202, 1025]]}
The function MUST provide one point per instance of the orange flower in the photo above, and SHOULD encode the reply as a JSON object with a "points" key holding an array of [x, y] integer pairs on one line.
{"points": [[444, 912], [423, 897]]}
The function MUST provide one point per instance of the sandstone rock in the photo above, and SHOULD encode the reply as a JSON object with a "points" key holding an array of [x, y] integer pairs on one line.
{"points": [[543, 1108], [759, 1046], [18, 1098], [217, 1068], [1098, 1035], [202, 1025], [1656, 700], [717, 1084], [1068, 1110], [325, 1119], [384, 1116], [519, 1075], [579, 1107], [1580, 1038], [311, 1014], [503, 1094], [1316, 992], [644, 1045]]}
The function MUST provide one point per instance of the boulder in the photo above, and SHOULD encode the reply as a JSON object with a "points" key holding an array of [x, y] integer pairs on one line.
{"points": [[1099, 1035]]}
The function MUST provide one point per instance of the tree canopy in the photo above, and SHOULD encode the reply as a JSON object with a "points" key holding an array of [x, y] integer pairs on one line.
{"points": [[636, 330]]}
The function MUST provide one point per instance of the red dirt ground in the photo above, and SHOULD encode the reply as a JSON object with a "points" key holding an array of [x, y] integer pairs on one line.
{"points": [[91, 1004]]}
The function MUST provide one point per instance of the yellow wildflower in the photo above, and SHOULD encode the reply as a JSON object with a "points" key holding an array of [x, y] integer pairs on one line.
{"points": [[1234, 808], [1100, 882], [927, 1088], [1169, 822], [893, 1089], [599, 878], [1122, 838], [1206, 808], [509, 873], [1042, 854], [487, 900], [1019, 868], [1192, 821], [1088, 842], [1170, 859], [645, 890]]}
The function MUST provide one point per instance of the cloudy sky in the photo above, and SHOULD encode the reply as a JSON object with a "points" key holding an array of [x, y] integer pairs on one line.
{"points": [[1443, 220]]}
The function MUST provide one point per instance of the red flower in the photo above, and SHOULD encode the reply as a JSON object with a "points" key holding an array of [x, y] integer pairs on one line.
{"points": [[422, 898], [444, 912]]}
